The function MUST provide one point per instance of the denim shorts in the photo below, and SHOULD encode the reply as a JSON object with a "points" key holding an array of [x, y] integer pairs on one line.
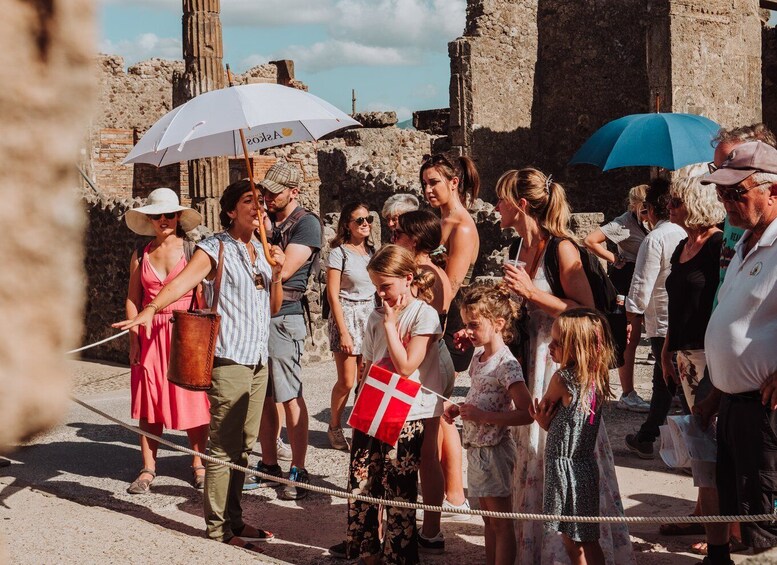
{"points": [[285, 345]]}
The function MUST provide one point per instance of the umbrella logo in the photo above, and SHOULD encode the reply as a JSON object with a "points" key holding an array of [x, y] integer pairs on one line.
{"points": [[287, 132]]}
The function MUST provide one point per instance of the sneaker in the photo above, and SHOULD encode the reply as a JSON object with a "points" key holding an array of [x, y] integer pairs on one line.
{"points": [[644, 449], [291, 492], [435, 545], [454, 516], [252, 481], [283, 451], [651, 359], [633, 402], [340, 551], [337, 439]]}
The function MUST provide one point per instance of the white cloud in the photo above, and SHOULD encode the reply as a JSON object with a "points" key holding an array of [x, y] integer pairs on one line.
{"points": [[327, 55], [144, 46], [253, 61], [426, 91], [403, 112], [427, 24]]}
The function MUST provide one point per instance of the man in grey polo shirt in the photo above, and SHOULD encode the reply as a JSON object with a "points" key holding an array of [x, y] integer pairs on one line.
{"points": [[740, 343], [298, 232]]}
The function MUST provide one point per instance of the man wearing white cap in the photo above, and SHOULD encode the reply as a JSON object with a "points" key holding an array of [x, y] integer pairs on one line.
{"points": [[740, 342]]}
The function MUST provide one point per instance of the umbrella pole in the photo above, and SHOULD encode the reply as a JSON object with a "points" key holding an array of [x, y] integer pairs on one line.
{"points": [[254, 191]]}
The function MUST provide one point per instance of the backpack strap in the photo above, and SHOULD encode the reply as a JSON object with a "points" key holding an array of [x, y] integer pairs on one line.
{"points": [[552, 269]]}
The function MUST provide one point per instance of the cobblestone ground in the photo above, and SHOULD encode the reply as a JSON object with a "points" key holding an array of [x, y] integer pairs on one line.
{"points": [[63, 498]]}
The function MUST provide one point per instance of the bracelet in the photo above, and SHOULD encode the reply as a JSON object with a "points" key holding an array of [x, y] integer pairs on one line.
{"points": [[152, 305], [279, 281]]}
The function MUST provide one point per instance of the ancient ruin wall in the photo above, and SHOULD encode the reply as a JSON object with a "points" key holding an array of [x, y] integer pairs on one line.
{"points": [[705, 58], [769, 70], [530, 81], [46, 51]]}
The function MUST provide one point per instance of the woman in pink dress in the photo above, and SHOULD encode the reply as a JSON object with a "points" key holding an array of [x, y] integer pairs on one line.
{"points": [[157, 403]]}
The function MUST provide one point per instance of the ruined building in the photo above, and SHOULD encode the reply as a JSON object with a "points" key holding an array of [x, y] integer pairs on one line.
{"points": [[530, 82]]}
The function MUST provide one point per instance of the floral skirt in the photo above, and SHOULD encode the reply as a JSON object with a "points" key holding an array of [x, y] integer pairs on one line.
{"points": [[391, 472], [355, 314]]}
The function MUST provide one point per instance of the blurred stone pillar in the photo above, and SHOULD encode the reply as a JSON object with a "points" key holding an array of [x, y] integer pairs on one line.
{"points": [[47, 51], [204, 71]]}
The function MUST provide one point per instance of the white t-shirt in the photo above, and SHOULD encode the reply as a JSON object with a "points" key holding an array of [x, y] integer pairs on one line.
{"points": [[488, 391], [627, 233], [418, 318], [742, 331], [355, 283]]}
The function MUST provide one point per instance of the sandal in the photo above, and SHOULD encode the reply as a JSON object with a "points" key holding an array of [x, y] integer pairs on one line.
{"points": [[249, 533], [199, 479], [242, 544], [142, 486]]}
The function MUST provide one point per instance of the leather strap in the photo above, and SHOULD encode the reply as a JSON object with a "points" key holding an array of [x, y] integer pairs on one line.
{"points": [[536, 261], [217, 281]]}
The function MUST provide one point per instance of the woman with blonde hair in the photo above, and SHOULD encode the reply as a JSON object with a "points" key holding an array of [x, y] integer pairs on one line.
{"points": [[627, 232], [536, 207], [691, 287]]}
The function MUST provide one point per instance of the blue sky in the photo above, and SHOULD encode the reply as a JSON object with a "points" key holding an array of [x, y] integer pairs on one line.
{"points": [[393, 52]]}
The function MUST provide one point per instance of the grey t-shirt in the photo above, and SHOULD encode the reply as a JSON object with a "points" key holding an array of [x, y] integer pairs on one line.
{"points": [[355, 283], [307, 231], [627, 233]]}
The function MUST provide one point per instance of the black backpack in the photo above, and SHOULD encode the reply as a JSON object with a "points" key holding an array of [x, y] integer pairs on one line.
{"points": [[604, 292]]}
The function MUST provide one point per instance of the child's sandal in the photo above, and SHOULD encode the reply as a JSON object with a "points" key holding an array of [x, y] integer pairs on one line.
{"points": [[198, 480]]}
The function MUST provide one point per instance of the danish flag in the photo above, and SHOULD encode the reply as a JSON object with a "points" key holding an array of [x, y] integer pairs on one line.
{"points": [[384, 401]]}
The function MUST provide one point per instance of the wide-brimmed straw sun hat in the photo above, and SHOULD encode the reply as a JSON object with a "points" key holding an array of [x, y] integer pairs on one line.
{"points": [[161, 201]]}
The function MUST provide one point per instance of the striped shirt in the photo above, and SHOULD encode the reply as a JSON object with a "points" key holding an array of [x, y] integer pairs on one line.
{"points": [[244, 309]]}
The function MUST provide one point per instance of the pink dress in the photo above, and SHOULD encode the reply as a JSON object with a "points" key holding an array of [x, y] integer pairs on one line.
{"points": [[153, 397]]}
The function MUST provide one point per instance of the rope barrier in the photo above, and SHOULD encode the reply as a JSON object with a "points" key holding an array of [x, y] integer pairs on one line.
{"points": [[430, 508], [95, 344]]}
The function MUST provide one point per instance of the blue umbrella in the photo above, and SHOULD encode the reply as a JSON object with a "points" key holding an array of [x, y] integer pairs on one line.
{"points": [[666, 140]]}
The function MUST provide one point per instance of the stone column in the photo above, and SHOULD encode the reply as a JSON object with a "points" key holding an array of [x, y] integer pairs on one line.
{"points": [[704, 57], [204, 71], [47, 54]]}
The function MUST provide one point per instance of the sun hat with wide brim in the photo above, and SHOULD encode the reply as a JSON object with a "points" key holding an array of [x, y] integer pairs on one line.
{"points": [[161, 201]]}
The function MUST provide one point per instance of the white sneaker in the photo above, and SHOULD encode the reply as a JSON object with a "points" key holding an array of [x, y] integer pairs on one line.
{"points": [[633, 402], [284, 451], [455, 517]]}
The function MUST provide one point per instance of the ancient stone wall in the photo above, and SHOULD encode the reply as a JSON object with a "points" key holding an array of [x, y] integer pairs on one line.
{"points": [[769, 70], [531, 81], [693, 66]]}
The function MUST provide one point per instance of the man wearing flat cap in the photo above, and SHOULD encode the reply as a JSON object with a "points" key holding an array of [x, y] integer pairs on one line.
{"points": [[298, 232], [741, 346]]}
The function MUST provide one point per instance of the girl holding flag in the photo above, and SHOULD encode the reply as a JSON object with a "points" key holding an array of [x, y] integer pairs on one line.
{"points": [[402, 337]]}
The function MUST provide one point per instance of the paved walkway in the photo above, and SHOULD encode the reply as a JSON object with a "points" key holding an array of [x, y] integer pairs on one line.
{"points": [[63, 499]]}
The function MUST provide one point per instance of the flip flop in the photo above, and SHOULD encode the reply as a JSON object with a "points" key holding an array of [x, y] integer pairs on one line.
{"points": [[257, 535], [695, 529]]}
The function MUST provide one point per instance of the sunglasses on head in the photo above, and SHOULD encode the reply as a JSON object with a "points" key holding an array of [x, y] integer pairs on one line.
{"points": [[167, 215], [360, 221]]}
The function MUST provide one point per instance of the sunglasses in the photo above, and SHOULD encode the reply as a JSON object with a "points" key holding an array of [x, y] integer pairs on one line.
{"points": [[734, 193], [360, 221], [675, 202], [167, 215]]}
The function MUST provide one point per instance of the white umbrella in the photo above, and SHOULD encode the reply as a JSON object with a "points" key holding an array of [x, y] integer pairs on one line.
{"points": [[209, 125]]}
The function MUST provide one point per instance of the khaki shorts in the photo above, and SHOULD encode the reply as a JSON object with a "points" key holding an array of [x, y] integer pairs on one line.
{"points": [[490, 469]]}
